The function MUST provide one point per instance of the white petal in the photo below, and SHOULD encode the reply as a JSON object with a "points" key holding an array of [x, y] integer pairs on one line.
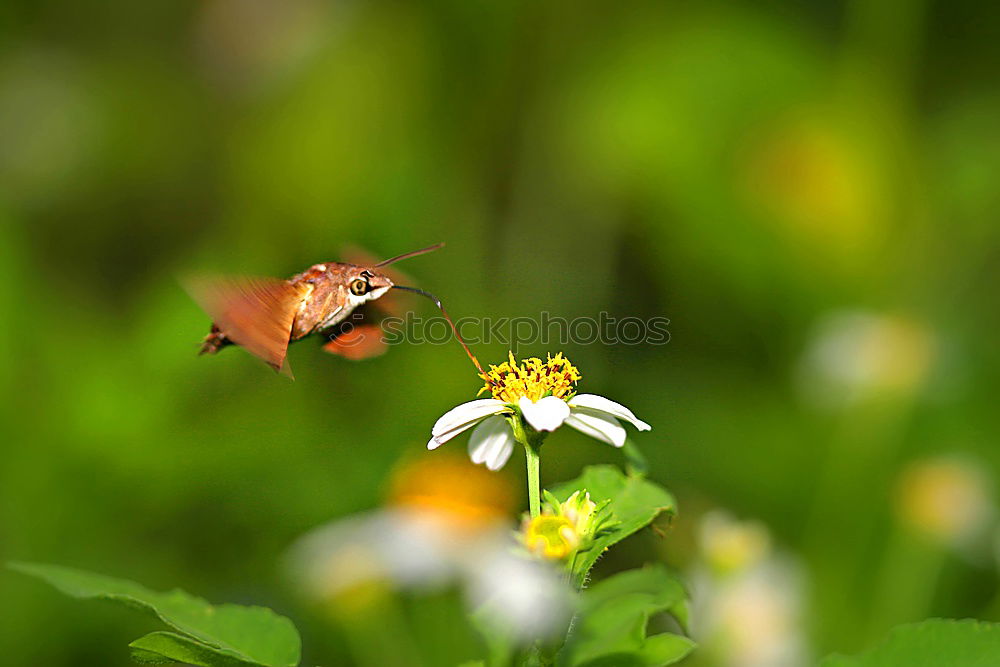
{"points": [[598, 425], [463, 417], [601, 404], [375, 546], [501, 454], [548, 414], [525, 597], [491, 443], [466, 412]]}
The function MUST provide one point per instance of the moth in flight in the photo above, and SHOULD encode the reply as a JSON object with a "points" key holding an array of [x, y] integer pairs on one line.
{"points": [[264, 315]]}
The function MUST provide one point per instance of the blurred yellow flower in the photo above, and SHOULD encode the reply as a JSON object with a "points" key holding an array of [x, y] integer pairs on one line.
{"points": [[819, 183], [466, 497], [945, 499]]}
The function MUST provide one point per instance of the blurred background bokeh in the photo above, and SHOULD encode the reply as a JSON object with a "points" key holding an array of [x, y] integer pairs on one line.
{"points": [[808, 191]]}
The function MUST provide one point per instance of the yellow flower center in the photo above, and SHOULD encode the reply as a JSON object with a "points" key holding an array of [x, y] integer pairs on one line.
{"points": [[533, 378], [551, 536]]}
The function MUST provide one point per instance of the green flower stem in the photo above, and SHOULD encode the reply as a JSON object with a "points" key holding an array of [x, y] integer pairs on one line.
{"points": [[534, 501], [531, 447]]}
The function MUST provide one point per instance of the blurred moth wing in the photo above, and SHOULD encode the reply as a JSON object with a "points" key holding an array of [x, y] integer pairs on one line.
{"points": [[255, 313], [357, 342]]}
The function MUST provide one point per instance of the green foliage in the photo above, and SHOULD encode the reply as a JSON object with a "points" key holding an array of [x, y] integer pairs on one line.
{"points": [[932, 643], [214, 636], [634, 503], [611, 626]]}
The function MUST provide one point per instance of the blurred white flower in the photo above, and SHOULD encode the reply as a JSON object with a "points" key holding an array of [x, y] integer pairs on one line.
{"points": [[728, 545], [446, 525], [856, 354], [525, 596], [542, 393], [747, 609]]}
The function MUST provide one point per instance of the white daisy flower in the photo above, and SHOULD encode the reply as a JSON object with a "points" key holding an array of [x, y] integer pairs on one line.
{"points": [[542, 393]]}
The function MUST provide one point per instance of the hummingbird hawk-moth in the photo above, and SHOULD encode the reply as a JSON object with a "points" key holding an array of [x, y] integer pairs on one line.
{"points": [[264, 315]]}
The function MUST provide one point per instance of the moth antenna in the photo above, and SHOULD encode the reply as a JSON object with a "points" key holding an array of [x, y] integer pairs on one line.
{"points": [[407, 255], [437, 302]]}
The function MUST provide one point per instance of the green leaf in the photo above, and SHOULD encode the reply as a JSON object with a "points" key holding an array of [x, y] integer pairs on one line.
{"points": [[167, 647], [682, 614], [932, 643], [662, 590], [614, 613], [665, 649], [634, 503], [222, 635]]}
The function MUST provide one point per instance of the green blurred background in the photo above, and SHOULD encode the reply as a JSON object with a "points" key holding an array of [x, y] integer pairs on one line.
{"points": [[807, 190]]}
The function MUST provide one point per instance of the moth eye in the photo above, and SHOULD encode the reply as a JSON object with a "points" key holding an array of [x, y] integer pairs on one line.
{"points": [[359, 287]]}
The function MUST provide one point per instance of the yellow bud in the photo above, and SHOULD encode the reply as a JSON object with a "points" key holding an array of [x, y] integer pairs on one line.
{"points": [[552, 537]]}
